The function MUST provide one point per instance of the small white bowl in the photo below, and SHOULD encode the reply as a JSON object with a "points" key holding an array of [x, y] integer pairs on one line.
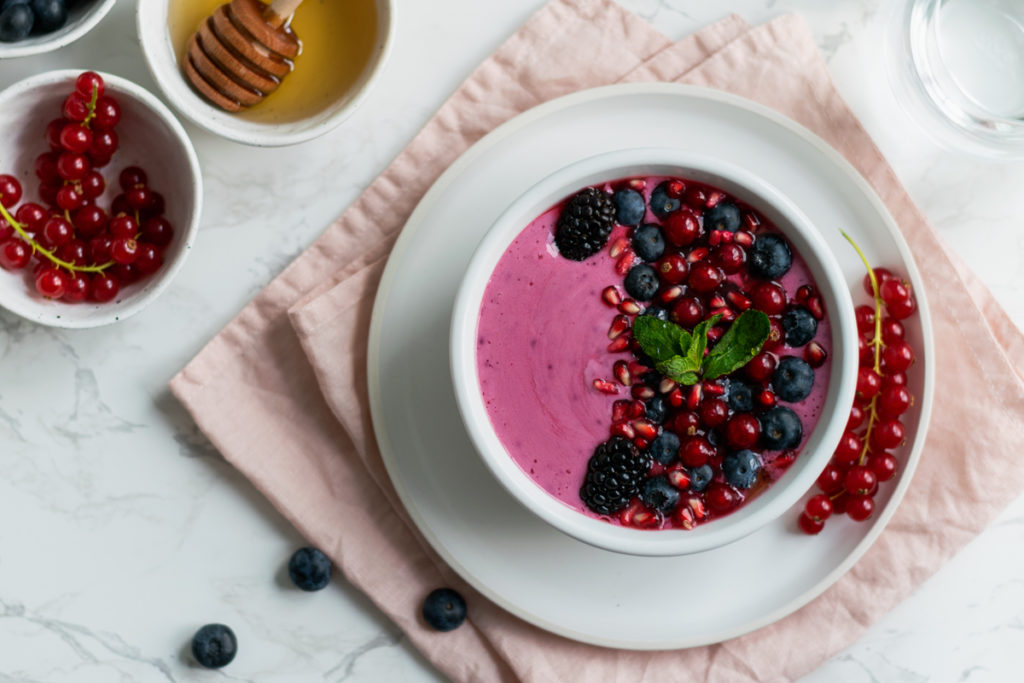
{"points": [[155, 38], [81, 19], [805, 239], [150, 137]]}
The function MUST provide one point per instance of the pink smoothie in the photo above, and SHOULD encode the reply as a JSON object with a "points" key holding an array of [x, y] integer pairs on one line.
{"points": [[542, 340]]}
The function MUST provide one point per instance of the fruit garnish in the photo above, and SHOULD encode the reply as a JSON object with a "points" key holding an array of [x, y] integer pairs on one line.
{"points": [[444, 610]]}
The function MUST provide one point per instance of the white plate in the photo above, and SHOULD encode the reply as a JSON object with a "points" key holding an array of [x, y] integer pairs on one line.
{"points": [[499, 547]]}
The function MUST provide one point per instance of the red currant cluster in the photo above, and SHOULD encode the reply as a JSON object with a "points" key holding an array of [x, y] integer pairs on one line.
{"points": [[83, 252], [862, 458]]}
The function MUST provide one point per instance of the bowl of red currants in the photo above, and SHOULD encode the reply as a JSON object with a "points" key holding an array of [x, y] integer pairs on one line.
{"points": [[31, 27], [100, 195]]}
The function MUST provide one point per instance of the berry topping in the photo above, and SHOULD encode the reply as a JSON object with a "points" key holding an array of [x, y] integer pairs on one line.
{"points": [[214, 646], [614, 474], [444, 610], [740, 397], [648, 242], [629, 207], [16, 22], [665, 448], [656, 312], [780, 428], [641, 283], [309, 569], [682, 228], [799, 326], [662, 202], [659, 495], [584, 225], [770, 258], [700, 477], [722, 216], [741, 468], [792, 379]]}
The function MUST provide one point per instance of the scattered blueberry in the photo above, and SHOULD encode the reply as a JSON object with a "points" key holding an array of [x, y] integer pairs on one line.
{"points": [[661, 204], [799, 326], [50, 14], [770, 258], [656, 410], [722, 216], [656, 311], [629, 207], [741, 468], [712, 437], [15, 22], [780, 428], [659, 495], [664, 448], [648, 242], [641, 283], [700, 477], [444, 610], [214, 646], [740, 397], [309, 569], [793, 379]]}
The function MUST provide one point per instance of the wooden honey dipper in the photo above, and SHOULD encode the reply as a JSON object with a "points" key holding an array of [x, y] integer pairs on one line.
{"points": [[242, 51]]}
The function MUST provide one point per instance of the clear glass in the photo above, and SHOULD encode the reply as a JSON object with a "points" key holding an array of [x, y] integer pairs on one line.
{"points": [[959, 69]]}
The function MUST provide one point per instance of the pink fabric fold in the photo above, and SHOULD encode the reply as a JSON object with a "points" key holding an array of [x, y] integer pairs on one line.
{"points": [[281, 391]]}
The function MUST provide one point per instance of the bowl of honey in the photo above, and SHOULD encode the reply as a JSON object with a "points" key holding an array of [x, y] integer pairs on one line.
{"points": [[341, 47]]}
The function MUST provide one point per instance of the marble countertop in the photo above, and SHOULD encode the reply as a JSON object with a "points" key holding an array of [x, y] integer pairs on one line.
{"points": [[121, 528]]}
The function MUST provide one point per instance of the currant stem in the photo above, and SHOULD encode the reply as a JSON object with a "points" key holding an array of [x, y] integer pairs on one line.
{"points": [[20, 229]]}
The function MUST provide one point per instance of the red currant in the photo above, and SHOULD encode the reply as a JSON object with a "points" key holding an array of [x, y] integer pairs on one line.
{"points": [[742, 431], [30, 215], [672, 268], [881, 275], [123, 225], [14, 254], [770, 298], [76, 107], [124, 250], [132, 176], [696, 198], [831, 479], [10, 191], [89, 83], [68, 198], [72, 166], [892, 291], [76, 289], [856, 419], [93, 184], [75, 137], [155, 206], [883, 465], [887, 434], [892, 331], [903, 308], [104, 144], [865, 318], [684, 424], [149, 259], [897, 357], [53, 130], [868, 383], [107, 114], [810, 526], [46, 168], [860, 508], [51, 283], [73, 251], [859, 480], [127, 273], [104, 287], [849, 448], [893, 400], [818, 507], [89, 221], [99, 249], [56, 231]]}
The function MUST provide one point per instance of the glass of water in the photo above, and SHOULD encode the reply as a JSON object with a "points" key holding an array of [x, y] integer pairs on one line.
{"points": [[959, 69]]}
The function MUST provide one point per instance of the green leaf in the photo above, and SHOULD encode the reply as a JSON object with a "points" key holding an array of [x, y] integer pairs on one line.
{"points": [[699, 341], [740, 343], [660, 339], [680, 369]]}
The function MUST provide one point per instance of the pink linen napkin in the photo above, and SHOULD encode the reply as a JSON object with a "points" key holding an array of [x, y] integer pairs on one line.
{"points": [[281, 391]]}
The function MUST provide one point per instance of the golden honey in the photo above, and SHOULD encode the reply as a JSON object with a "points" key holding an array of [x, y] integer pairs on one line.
{"points": [[338, 39]]}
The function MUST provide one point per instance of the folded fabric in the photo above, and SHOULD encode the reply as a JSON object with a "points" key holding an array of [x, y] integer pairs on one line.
{"points": [[281, 391]]}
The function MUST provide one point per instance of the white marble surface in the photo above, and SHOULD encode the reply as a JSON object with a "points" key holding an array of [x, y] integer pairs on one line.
{"points": [[122, 530]]}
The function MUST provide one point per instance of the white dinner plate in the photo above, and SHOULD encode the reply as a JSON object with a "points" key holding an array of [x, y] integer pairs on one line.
{"points": [[500, 547]]}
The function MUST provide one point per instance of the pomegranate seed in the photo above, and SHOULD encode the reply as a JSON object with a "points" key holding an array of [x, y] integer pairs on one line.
{"points": [[738, 301], [683, 517], [727, 314], [717, 301], [611, 296], [714, 198], [678, 477], [712, 388], [766, 398], [643, 444], [630, 307], [642, 392], [623, 265], [621, 371], [715, 333], [694, 397], [697, 255], [670, 294], [815, 354], [637, 368], [645, 429], [751, 220], [697, 506], [666, 386], [817, 307], [623, 429], [645, 519], [620, 324], [637, 183], [620, 410], [675, 398], [743, 238], [620, 343], [636, 409], [803, 293], [715, 238], [675, 189], [618, 247], [605, 387]]}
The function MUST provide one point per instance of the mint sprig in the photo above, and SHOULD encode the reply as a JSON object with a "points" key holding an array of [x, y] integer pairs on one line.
{"points": [[680, 355]]}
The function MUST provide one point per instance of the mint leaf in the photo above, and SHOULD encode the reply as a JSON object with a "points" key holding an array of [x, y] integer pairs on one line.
{"points": [[740, 343], [699, 341], [660, 339], [679, 369]]}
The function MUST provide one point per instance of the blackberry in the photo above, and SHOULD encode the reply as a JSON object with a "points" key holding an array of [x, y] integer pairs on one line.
{"points": [[584, 225], [613, 477]]}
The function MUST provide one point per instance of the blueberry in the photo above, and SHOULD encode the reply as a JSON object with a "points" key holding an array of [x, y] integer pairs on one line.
{"points": [[770, 258], [15, 22], [793, 379], [722, 216], [780, 429], [664, 448], [741, 468], [444, 610], [740, 397], [658, 494], [629, 207], [656, 311], [700, 477], [661, 204], [656, 411], [309, 569], [648, 242], [214, 646], [641, 283], [50, 14], [799, 326]]}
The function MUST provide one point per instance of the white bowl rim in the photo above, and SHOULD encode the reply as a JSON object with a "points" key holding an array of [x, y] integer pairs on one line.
{"points": [[230, 127], [61, 37], [599, 533], [171, 268]]}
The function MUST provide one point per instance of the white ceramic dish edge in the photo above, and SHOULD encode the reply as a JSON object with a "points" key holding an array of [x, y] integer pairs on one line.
{"points": [[69, 33]]}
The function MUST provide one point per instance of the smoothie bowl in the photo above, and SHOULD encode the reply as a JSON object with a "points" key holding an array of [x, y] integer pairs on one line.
{"points": [[651, 351]]}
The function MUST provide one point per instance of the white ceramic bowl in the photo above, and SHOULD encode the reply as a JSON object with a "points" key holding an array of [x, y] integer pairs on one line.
{"points": [[150, 137], [154, 36], [81, 19], [805, 239]]}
